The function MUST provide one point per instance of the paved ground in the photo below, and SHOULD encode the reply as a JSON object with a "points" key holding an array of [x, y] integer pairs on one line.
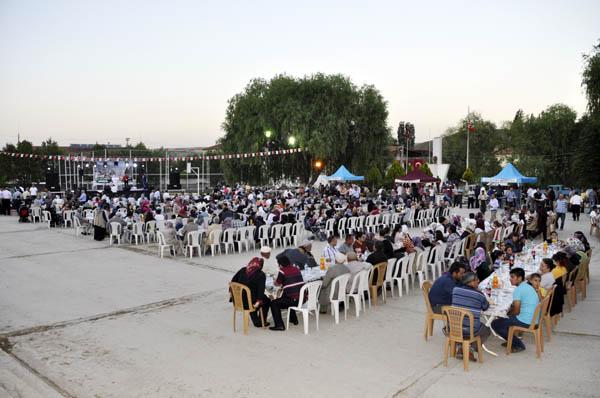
{"points": [[87, 320]]}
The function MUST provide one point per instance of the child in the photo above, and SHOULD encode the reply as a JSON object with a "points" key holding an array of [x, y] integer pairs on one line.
{"points": [[534, 281]]}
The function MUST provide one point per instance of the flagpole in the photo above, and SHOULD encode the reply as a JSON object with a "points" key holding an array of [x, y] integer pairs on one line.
{"points": [[468, 134]]}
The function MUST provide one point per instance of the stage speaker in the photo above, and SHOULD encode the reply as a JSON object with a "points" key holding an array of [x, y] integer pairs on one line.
{"points": [[52, 183], [174, 181]]}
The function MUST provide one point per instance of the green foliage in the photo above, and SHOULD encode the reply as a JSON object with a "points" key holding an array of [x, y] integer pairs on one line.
{"points": [[591, 78], [586, 160], [336, 121], [425, 169], [468, 176], [395, 171], [373, 177], [484, 144], [544, 145]]}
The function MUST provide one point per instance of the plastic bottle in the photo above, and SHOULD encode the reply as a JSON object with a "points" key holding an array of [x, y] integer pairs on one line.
{"points": [[322, 263], [495, 281], [545, 247]]}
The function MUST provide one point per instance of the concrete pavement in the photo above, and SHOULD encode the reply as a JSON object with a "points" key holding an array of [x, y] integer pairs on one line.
{"points": [[85, 320]]}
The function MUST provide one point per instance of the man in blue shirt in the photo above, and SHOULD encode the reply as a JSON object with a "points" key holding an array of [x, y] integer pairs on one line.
{"points": [[521, 312], [440, 293]]}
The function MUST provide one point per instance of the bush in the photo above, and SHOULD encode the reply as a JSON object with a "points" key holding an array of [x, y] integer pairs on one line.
{"points": [[395, 171], [468, 176], [373, 177]]}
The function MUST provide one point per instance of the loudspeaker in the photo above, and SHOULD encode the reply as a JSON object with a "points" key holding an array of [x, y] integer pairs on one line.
{"points": [[52, 183], [174, 181]]}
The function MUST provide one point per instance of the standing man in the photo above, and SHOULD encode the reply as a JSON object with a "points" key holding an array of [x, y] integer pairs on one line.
{"points": [[576, 205], [525, 299], [6, 197], [494, 205], [560, 207]]}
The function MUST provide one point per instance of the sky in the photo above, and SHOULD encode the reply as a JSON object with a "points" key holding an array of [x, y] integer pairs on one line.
{"points": [[162, 71]]}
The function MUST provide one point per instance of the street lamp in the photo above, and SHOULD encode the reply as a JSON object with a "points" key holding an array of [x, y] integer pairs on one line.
{"points": [[292, 141], [268, 133], [318, 165]]}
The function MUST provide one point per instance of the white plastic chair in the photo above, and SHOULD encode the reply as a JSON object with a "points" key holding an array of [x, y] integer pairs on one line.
{"points": [[162, 245], [228, 239], [337, 295], [307, 303], [68, 218], [214, 239], [46, 217], [390, 272], [342, 227], [36, 214], [137, 232], [115, 233], [287, 234], [402, 275], [276, 235], [360, 286], [421, 266], [329, 224], [193, 242], [151, 231], [77, 226], [263, 235]]}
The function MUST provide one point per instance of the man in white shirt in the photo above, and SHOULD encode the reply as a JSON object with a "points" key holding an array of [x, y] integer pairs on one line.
{"points": [[6, 197], [33, 191], [493, 207], [575, 205], [331, 251]]}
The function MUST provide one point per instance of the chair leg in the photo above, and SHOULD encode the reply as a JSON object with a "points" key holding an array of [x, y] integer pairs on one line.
{"points": [[511, 333], [446, 348], [465, 348], [548, 327], [317, 317], [538, 345], [479, 350], [287, 322], [246, 322], [305, 320], [234, 320]]}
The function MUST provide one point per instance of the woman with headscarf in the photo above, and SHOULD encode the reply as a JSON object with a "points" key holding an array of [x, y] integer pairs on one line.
{"points": [[252, 275], [479, 264], [100, 221]]}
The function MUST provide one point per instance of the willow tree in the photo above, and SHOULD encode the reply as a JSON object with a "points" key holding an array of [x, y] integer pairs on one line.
{"points": [[327, 115]]}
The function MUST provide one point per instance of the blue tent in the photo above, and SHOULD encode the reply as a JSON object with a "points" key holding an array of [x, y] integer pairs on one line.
{"points": [[342, 174], [509, 175]]}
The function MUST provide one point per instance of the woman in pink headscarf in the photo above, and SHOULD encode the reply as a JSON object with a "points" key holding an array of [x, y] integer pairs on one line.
{"points": [[479, 264]]}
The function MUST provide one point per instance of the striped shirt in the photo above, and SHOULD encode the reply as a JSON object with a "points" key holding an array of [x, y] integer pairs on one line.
{"points": [[473, 300], [290, 279]]}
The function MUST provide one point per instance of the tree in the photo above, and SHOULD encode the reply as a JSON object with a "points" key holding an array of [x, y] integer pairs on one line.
{"points": [[425, 169], [328, 115], [468, 176], [373, 177], [485, 142], [543, 145], [591, 78], [395, 171]]}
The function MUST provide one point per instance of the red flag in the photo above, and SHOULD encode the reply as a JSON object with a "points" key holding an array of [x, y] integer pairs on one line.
{"points": [[470, 127]]}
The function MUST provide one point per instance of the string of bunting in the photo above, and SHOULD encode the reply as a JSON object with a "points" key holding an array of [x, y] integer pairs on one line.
{"points": [[278, 152]]}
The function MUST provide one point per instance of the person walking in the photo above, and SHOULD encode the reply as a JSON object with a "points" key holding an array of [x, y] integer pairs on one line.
{"points": [[576, 205], [560, 207]]}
